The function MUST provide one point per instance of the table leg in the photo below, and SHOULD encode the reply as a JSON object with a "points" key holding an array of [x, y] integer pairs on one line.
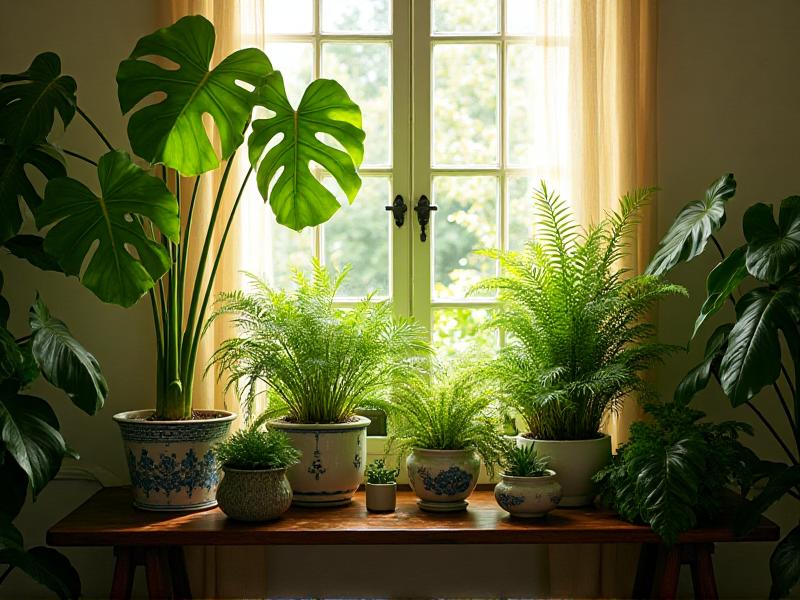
{"points": [[645, 571], [157, 569], [180, 580], [669, 571], [705, 585], [124, 569]]}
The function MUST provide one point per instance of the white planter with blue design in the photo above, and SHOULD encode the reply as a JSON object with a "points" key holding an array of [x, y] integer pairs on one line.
{"points": [[334, 456], [528, 497], [171, 463], [443, 479]]}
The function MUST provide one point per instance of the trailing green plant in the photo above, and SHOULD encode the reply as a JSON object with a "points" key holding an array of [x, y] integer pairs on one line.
{"points": [[451, 408], [757, 349], [578, 338], [317, 361], [379, 473], [122, 234], [675, 469], [522, 461], [257, 449]]}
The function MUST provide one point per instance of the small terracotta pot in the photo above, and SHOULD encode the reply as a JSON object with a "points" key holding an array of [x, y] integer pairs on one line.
{"points": [[381, 497]]}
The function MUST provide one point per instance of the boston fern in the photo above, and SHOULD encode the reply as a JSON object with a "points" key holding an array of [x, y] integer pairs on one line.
{"points": [[318, 362], [578, 340], [257, 449], [673, 471]]}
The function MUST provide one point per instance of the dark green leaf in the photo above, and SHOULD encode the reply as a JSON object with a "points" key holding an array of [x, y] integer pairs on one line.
{"points": [[772, 248], [721, 283], [697, 379], [29, 100], [781, 480], [81, 218], [5, 310], [64, 362], [753, 356], [784, 565], [14, 483], [31, 248], [172, 131], [44, 565], [693, 227], [29, 428], [297, 198], [10, 536], [15, 183], [16, 362]]}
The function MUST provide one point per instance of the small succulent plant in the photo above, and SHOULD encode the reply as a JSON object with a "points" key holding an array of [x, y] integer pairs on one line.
{"points": [[522, 461], [377, 472]]}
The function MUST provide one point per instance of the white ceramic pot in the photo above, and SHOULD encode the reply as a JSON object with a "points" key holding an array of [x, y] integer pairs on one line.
{"points": [[443, 479], [332, 463], [381, 497], [576, 462], [171, 463], [528, 497], [254, 495]]}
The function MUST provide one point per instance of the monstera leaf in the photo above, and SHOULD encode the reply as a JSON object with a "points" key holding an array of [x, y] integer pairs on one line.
{"points": [[753, 356], [171, 132], [694, 225], [64, 362], [297, 198], [29, 429], [781, 481], [784, 565], [29, 100], [113, 273], [721, 283], [772, 248], [15, 183], [697, 379], [31, 248]]}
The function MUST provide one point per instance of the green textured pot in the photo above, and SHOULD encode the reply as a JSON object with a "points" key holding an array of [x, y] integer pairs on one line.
{"points": [[247, 495]]}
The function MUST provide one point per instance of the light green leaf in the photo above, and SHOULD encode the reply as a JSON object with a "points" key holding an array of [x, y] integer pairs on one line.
{"points": [[81, 218], [172, 131], [297, 198], [693, 227], [64, 362], [784, 565], [29, 101], [772, 248], [721, 283]]}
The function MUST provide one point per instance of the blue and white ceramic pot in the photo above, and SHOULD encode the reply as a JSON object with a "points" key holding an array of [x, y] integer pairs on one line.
{"points": [[171, 463], [443, 479], [332, 463], [528, 497]]}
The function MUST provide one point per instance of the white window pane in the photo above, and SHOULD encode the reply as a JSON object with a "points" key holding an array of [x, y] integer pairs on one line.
{"points": [[538, 17], [464, 16], [295, 61], [465, 105], [358, 235], [364, 70], [281, 16], [459, 331], [465, 221], [520, 211], [357, 16]]}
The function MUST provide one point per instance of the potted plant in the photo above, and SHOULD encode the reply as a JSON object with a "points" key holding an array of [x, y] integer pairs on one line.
{"points": [[528, 489], [747, 355], [445, 423], [381, 486], [317, 362], [255, 487], [123, 235], [578, 338]]}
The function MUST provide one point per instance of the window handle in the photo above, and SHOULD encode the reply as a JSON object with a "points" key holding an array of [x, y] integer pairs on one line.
{"points": [[423, 210], [398, 209]]}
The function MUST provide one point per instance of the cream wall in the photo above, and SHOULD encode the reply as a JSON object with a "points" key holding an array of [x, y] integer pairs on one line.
{"points": [[728, 101]]}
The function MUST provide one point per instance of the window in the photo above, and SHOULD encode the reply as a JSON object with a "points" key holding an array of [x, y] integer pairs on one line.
{"points": [[453, 111]]}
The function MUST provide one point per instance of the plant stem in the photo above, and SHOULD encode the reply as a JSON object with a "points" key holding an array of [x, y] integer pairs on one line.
{"points": [[78, 156], [186, 236], [6, 573], [774, 433], [719, 247], [95, 127]]}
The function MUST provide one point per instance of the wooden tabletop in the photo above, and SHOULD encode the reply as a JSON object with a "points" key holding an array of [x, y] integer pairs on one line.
{"points": [[109, 519]]}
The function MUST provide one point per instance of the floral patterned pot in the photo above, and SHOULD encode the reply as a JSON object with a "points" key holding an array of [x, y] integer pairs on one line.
{"points": [[333, 460], [576, 462], [381, 497], [171, 464], [249, 495], [528, 497], [443, 479]]}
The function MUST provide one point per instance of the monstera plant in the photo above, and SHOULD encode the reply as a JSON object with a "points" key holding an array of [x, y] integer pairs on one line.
{"points": [[759, 348]]}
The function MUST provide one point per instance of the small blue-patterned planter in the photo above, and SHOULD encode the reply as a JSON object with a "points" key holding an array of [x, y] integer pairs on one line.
{"points": [[528, 497], [171, 463], [443, 479]]}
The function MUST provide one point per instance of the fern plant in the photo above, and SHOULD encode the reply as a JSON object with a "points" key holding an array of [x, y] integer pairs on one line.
{"points": [[450, 409], [672, 472], [578, 338], [257, 449], [316, 362], [522, 461]]}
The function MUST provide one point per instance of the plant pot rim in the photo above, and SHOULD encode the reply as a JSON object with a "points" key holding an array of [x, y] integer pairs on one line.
{"points": [[382, 485], [443, 452], [589, 441], [141, 417], [519, 479], [359, 422], [232, 470]]}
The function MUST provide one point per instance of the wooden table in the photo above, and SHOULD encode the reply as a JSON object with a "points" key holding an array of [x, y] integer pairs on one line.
{"points": [[156, 540]]}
